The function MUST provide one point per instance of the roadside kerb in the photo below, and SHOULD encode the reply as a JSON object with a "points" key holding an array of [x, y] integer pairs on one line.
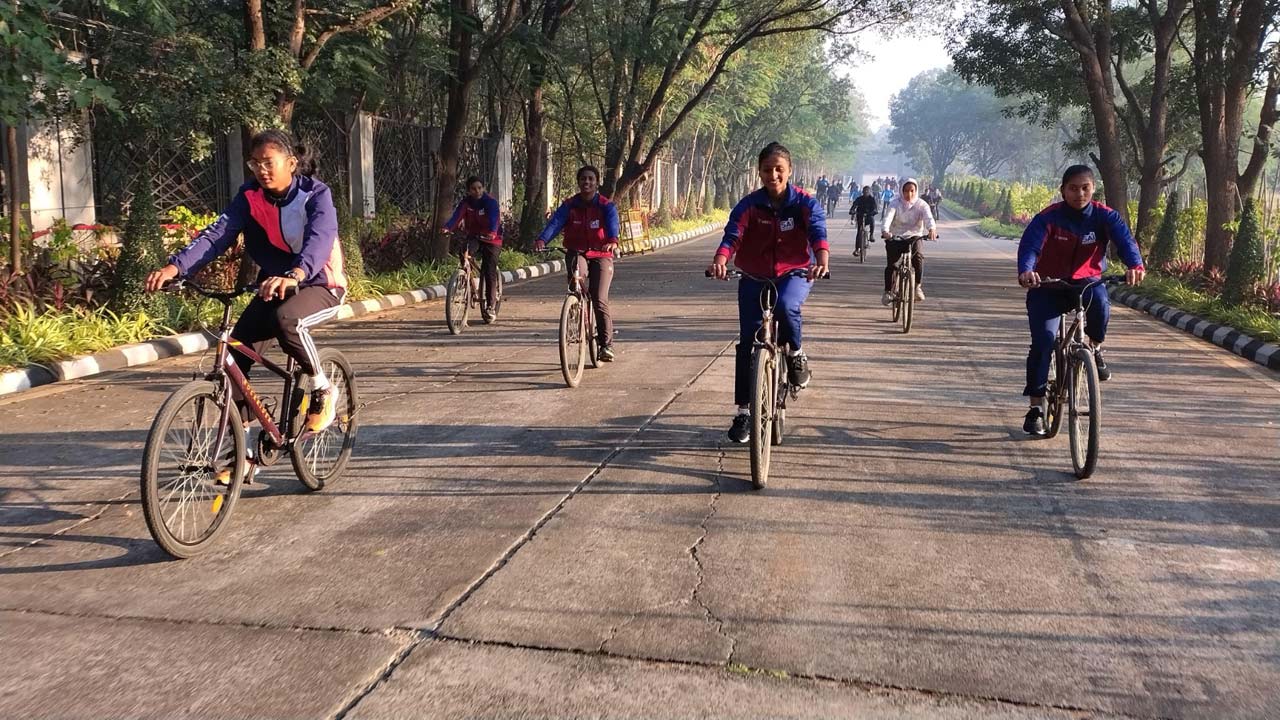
{"points": [[127, 356], [1224, 336]]}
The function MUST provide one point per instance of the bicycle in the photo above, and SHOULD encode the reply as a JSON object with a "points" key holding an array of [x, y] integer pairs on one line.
{"points": [[1073, 380], [903, 282], [770, 386], [463, 292], [860, 246], [579, 345], [195, 458]]}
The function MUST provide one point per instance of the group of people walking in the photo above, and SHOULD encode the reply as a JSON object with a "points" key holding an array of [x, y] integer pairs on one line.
{"points": [[776, 234]]}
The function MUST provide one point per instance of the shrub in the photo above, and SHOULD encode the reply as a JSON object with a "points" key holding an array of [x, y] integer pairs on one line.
{"points": [[1245, 267], [1165, 248], [141, 251]]}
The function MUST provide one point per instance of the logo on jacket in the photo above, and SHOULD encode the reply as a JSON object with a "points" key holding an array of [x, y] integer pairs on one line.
{"points": [[595, 224], [1089, 239], [787, 224]]}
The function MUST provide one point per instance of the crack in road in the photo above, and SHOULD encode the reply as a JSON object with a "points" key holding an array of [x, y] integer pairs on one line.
{"points": [[697, 559]]}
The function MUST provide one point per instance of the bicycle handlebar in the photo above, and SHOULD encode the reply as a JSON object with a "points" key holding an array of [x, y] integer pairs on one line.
{"points": [[738, 274], [1082, 285], [181, 284]]}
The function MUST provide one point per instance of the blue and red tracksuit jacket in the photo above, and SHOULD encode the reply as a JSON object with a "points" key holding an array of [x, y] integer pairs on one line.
{"points": [[1069, 244], [478, 218], [768, 242], [296, 230], [588, 225]]}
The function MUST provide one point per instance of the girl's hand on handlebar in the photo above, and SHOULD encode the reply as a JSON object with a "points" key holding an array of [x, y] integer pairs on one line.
{"points": [[156, 279], [1134, 276], [275, 287], [821, 266], [1029, 279], [719, 268]]}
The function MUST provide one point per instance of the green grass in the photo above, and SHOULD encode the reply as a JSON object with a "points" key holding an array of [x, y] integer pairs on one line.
{"points": [[1250, 320], [958, 209], [993, 227], [680, 226]]}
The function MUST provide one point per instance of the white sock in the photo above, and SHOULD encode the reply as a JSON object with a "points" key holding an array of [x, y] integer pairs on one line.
{"points": [[794, 352], [319, 382], [744, 410]]}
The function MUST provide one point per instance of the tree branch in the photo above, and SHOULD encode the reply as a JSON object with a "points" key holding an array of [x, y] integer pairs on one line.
{"points": [[360, 22]]}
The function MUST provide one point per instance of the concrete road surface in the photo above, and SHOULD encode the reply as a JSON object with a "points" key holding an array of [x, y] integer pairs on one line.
{"points": [[503, 546]]}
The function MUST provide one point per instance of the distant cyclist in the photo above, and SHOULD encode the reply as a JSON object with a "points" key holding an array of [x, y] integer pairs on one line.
{"points": [[771, 233], [863, 211], [886, 198], [1068, 241], [590, 224], [908, 215], [480, 219]]}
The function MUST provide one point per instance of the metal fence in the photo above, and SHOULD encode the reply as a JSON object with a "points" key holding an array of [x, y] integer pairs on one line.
{"points": [[179, 176], [327, 141], [404, 166]]}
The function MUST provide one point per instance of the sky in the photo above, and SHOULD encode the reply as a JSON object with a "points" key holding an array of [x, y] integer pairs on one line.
{"points": [[887, 65]]}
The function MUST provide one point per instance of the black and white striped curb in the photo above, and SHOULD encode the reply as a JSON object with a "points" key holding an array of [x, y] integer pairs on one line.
{"points": [[127, 356], [1225, 336]]}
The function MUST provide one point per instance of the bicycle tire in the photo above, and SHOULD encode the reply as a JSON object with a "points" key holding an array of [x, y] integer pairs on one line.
{"points": [[780, 401], [304, 454], [1086, 436], [1053, 394], [573, 350], [498, 291], [223, 502], [593, 340], [762, 391], [896, 283], [457, 302], [908, 299]]}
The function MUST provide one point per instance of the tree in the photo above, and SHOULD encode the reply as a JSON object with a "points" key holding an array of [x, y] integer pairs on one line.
{"points": [[1166, 246], [38, 81], [937, 136], [537, 41], [141, 250], [1227, 59]]}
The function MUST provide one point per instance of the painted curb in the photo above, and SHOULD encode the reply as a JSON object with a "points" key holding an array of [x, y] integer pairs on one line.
{"points": [[128, 356], [1224, 336]]}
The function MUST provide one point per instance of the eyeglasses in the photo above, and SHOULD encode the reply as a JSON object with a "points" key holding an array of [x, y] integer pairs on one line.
{"points": [[261, 165]]}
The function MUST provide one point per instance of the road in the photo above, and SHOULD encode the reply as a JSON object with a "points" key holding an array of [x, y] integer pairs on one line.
{"points": [[504, 546]]}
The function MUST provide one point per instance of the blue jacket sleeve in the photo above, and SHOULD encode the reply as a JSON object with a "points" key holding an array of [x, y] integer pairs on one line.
{"points": [[1032, 242], [452, 222], [495, 216], [557, 222], [1126, 245], [735, 228], [321, 234], [611, 224], [215, 239], [817, 225]]}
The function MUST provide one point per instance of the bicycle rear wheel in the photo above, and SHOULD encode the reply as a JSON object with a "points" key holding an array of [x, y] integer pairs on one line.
{"points": [[319, 458], [1084, 412], [457, 302], [764, 369], [193, 465], [573, 347]]}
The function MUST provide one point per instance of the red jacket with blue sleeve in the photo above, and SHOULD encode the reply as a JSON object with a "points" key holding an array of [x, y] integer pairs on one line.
{"points": [[588, 225], [769, 242], [296, 230], [480, 218], [1069, 244]]}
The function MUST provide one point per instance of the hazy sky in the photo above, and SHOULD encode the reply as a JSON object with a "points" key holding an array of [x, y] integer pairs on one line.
{"points": [[888, 65]]}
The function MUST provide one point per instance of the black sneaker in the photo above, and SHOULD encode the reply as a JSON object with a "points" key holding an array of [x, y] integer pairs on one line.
{"points": [[607, 354], [1104, 372], [1033, 424], [740, 431], [798, 370]]}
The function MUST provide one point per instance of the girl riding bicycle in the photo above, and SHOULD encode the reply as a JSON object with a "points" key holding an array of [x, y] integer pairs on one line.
{"points": [[773, 232], [480, 218], [290, 230], [590, 224], [1068, 241]]}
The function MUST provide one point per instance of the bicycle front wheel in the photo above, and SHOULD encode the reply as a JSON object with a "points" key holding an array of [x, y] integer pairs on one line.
{"points": [[1084, 412], [780, 400], [908, 299], [764, 373], [1054, 393], [319, 458], [457, 302], [497, 298], [192, 468], [896, 284], [573, 346]]}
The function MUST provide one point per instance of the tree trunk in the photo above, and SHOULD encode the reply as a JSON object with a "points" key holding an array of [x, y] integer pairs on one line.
{"points": [[15, 209], [458, 83], [535, 190]]}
